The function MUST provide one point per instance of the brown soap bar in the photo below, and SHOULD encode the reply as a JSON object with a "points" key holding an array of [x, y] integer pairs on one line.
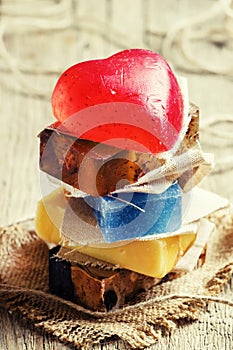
{"points": [[98, 288], [96, 284], [92, 167], [192, 134], [96, 168]]}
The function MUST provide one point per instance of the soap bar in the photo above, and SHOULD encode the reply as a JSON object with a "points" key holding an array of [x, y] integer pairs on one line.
{"points": [[49, 215], [99, 169], [153, 258], [97, 289], [96, 220], [192, 135], [133, 215], [94, 168], [131, 99]]}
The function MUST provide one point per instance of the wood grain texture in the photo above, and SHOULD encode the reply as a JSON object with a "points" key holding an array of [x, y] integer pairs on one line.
{"points": [[100, 28]]}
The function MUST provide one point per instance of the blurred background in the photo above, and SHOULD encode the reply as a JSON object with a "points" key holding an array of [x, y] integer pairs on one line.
{"points": [[41, 38]]}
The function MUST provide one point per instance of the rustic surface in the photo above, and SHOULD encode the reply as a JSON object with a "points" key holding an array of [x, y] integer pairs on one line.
{"points": [[99, 29]]}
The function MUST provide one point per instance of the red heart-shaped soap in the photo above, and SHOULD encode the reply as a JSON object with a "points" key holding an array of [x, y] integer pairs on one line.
{"points": [[131, 100]]}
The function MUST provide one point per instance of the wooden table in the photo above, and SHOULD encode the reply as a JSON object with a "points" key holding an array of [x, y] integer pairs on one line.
{"points": [[41, 39]]}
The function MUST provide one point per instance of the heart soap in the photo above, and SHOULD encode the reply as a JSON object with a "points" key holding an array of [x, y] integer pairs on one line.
{"points": [[130, 100]]}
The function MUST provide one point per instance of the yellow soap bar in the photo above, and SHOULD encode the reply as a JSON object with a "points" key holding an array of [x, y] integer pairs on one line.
{"points": [[49, 215], [153, 258], [150, 257]]}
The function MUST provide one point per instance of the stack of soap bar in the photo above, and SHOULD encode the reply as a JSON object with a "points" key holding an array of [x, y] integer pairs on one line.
{"points": [[152, 257], [96, 168], [132, 215]]}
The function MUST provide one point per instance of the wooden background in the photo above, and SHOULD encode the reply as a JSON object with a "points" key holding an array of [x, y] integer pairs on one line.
{"points": [[39, 39]]}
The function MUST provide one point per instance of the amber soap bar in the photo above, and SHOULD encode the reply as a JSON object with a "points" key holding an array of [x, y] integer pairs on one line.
{"points": [[92, 167], [97, 289], [96, 168]]}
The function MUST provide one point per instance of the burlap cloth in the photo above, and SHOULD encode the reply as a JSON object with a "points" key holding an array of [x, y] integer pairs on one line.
{"points": [[24, 288]]}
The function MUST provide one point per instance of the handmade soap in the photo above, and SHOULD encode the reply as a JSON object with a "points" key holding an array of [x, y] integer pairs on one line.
{"points": [[94, 168], [152, 257], [131, 99], [49, 215], [98, 169], [132, 215], [98, 289]]}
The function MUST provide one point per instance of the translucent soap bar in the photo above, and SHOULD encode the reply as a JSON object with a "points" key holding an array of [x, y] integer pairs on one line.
{"points": [[133, 215]]}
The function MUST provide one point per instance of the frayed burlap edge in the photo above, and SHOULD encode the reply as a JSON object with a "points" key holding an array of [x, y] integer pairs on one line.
{"points": [[24, 288]]}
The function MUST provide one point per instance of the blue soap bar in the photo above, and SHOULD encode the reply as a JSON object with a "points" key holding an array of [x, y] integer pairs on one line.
{"points": [[133, 215]]}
